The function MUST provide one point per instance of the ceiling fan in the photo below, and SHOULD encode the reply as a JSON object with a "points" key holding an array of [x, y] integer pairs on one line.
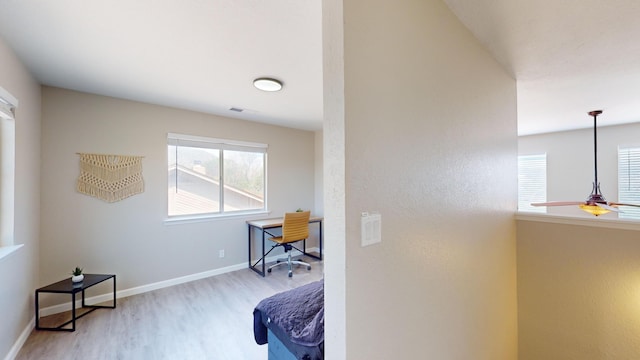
{"points": [[595, 204]]}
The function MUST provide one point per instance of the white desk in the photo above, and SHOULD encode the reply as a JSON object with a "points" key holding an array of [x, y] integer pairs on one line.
{"points": [[263, 225]]}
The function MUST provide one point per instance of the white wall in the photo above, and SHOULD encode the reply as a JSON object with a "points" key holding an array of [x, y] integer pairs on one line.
{"points": [[129, 237], [19, 271], [570, 162], [334, 179], [429, 142]]}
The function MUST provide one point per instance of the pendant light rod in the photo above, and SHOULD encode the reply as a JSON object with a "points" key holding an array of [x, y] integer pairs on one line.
{"points": [[596, 186]]}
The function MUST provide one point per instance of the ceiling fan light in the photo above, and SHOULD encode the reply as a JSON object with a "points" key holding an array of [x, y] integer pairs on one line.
{"points": [[267, 84], [594, 209]]}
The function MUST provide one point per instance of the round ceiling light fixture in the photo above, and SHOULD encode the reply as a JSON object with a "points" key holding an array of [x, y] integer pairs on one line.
{"points": [[267, 84]]}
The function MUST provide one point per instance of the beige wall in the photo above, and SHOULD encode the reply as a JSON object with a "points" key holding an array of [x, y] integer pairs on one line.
{"points": [[430, 143], [19, 271], [570, 162], [578, 286], [578, 292], [129, 237]]}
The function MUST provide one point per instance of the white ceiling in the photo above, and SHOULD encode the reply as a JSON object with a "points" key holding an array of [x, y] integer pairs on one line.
{"points": [[200, 55], [569, 56]]}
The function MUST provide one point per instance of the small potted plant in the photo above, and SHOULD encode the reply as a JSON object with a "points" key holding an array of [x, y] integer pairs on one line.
{"points": [[76, 275]]}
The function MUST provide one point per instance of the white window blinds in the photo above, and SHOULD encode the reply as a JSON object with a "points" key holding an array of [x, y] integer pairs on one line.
{"points": [[532, 182], [629, 181]]}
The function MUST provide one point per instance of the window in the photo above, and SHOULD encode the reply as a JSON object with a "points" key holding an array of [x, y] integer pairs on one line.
{"points": [[215, 176], [532, 182], [629, 181], [7, 167]]}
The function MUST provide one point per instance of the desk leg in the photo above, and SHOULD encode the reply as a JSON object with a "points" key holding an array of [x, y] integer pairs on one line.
{"points": [[249, 239], [304, 249], [263, 259], [254, 266], [320, 240]]}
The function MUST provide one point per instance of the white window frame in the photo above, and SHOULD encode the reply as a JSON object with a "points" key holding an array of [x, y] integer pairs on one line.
{"points": [[629, 181], [220, 144], [8, 105], [532, 182]]}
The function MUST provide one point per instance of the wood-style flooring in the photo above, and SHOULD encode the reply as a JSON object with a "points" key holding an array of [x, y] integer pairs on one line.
{"points": [[208, 319]]}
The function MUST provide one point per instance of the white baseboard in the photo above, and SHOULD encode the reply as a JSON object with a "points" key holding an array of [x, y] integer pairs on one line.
{"points": [[128, 292], [157, 285], [24, 335]]}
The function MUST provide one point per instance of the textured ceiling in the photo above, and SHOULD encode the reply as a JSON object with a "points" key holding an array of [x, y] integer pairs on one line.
{"points": [[569, 56], [197, 55]]}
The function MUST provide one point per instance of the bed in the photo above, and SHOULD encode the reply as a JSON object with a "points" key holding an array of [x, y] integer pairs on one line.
{"points": [[292, 323]]}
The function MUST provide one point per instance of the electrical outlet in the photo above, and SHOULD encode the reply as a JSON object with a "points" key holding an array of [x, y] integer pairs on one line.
{"points": [[221, 253]]}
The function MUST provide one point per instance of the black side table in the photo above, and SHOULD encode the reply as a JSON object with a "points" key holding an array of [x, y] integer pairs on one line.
{"points": [[69, 287]]}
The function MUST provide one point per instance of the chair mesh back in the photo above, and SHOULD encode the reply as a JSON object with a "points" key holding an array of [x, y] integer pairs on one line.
{"points": [[295, 226]]}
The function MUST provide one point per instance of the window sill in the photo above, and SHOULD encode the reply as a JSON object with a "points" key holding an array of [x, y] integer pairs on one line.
{"points": [[5, 251], [203, 218], [621, 224]]}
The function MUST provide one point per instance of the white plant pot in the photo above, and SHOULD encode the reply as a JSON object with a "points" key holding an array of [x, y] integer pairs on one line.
{"points": [[77, 278]]}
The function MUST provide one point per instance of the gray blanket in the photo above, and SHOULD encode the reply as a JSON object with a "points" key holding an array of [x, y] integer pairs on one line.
{"points": [[297, 314]]}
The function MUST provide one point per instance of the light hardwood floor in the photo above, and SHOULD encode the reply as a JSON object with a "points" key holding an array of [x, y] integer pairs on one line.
{"points": [[210, 318]]}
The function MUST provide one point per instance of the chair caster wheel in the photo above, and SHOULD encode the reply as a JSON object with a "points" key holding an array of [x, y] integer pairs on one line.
{"points": [[269, 271], [308, 267], [290, 274]]}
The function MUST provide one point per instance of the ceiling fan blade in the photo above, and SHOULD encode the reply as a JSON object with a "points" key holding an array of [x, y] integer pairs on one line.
{"points": [[558, 203], [621, 204], [608, 207]]}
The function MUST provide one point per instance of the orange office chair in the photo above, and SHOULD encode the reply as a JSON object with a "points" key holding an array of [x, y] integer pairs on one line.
{"points": [[295, 227]]}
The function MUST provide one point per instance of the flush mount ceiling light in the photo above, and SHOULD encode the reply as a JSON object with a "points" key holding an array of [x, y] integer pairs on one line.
{"points": [[267, 84]]}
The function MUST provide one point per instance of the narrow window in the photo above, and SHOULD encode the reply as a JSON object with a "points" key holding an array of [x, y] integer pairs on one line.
{"points": [[629, 181], [7, 166], [532, 182], [208, 176]]}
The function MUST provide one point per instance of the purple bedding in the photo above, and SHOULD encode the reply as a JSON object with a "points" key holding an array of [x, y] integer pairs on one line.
{"points": [[296, 317]]}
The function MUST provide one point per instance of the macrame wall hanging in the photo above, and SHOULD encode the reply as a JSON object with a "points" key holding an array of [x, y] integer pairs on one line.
{"points": [[110, 177]]}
